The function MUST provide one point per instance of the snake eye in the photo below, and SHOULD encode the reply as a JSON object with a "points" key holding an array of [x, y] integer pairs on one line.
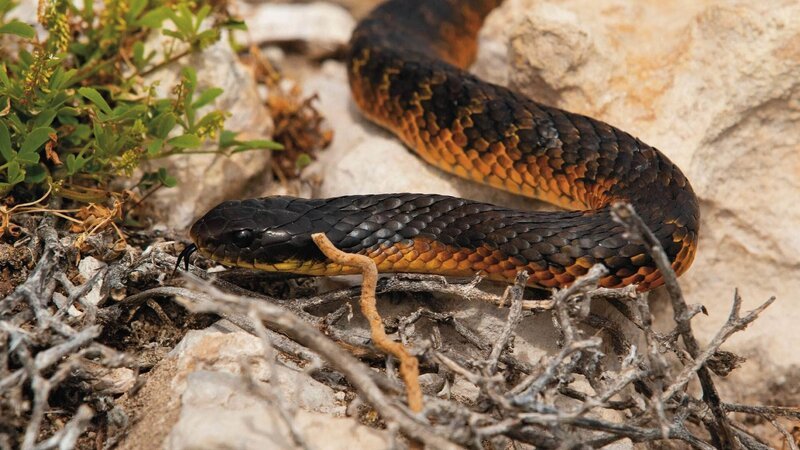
{"points": [[243, 238]]}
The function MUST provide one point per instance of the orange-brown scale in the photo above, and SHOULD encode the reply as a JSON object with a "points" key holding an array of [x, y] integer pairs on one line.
{"points": [[431, 256]]}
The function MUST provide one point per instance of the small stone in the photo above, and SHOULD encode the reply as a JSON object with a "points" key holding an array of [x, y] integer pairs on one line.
{"points": [[61, 301], [463, 391], [219, 411], [431, 383], [88, 267], [110, 381]]}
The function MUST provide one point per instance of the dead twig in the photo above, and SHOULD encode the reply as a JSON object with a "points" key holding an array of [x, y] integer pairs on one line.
{"points": [[514, 295], [637, 230]]}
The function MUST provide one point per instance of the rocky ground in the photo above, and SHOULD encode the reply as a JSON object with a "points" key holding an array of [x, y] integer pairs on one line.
{"points": [[715, 86]]}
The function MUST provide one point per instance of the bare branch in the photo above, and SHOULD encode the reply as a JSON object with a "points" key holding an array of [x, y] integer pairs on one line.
{"points": [[513, 295], [637, 230]]}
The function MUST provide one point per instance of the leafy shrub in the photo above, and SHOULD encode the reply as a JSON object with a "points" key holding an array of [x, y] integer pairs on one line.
{"points": [[74, 109]]}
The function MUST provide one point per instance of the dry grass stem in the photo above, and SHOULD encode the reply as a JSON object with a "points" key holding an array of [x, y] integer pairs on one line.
{"points": [[409, 365]]}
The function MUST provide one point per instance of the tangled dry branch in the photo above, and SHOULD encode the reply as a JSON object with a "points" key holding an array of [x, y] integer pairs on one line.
{"points": [[582, 396]]}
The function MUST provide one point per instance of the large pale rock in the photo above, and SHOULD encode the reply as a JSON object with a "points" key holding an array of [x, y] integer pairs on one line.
{"points": [[197, 397], [717, 88], [321, 27], [205, 180]]}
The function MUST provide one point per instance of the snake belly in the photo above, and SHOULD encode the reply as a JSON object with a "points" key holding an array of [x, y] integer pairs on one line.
{"points": [[405, 67]]}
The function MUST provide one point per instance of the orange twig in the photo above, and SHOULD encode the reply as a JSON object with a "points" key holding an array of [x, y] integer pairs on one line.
{"points": [[409, 365]]}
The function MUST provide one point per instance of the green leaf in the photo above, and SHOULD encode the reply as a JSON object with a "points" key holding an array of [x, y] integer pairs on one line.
{"points": [[235, 24], [5, 144], [201, 16], [28, 152], [35, 174], [93, 96], [138, 54], [45, 118], [227, 138], [173, 34], [162, 124], [257, 144], [82, 132], [165, 178], [57, 78], [4, 76], [135, 8], [207, 36], [53, 62], [68, 111], [26, 57], [155, 147], [74, 163], [185, 141], [154, 18], [103, 140], [15, 123], [28, 158], [182, 20], [15, 174], [191, 76], [18, 28], [124, 112], [208, 96], [302, 160]]}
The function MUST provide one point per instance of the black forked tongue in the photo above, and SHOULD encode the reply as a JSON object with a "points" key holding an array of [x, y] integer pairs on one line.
{"points": [[184, 256]]}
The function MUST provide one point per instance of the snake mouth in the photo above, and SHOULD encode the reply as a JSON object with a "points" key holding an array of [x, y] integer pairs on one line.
{"points": [[291, 265]]}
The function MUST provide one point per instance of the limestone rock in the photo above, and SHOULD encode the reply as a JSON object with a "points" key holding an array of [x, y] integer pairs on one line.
{"points": [[321, 27], [197, 398]]}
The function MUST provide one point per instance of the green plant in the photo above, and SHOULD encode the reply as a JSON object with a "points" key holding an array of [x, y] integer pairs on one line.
{"points": [[75, 111]]}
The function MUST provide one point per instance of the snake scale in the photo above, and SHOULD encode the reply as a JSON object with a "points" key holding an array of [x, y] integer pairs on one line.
{"points": [[406, 71]]}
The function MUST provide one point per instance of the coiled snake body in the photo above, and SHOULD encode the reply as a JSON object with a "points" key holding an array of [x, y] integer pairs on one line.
{"points": [[405, 69]]}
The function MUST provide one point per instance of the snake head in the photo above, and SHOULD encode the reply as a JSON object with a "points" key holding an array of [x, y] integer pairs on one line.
{"points": [[255, 233]]}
